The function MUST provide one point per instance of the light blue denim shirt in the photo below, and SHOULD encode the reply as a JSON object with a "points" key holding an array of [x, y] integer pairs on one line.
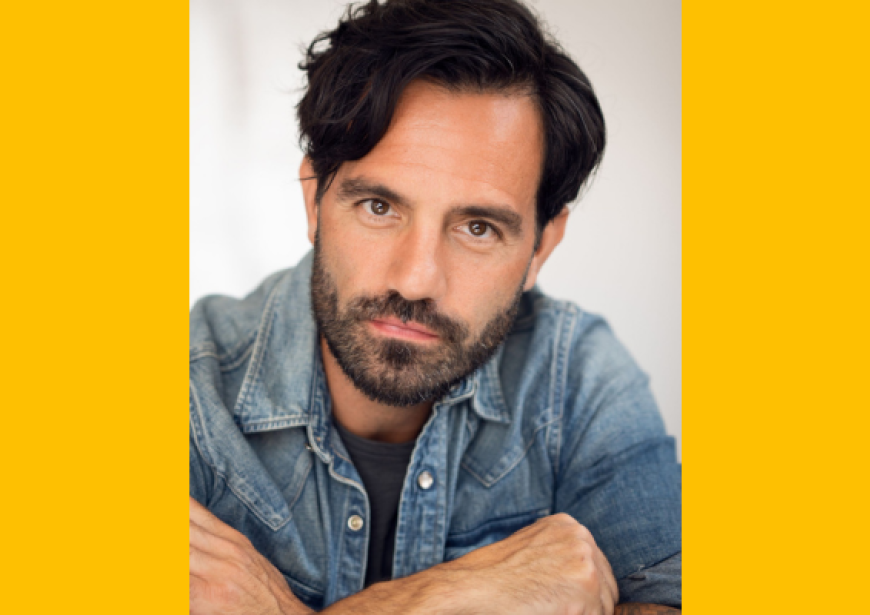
{"points": [[560, 420]]}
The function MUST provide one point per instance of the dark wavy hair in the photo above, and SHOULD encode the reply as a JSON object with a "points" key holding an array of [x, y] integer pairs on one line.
{"points": [[357, 72]]}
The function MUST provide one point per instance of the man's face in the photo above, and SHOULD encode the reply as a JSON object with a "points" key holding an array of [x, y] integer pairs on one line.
{"points": [[423, 247]]}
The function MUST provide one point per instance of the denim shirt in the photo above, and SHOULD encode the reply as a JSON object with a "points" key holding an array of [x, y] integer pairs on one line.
{"points": [[559, 420]]}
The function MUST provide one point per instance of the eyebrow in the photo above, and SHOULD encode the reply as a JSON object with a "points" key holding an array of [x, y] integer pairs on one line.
{"points": [[357, 188]]}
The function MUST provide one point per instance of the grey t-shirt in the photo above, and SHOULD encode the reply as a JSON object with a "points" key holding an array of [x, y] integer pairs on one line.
{"points": [[382, 467]]}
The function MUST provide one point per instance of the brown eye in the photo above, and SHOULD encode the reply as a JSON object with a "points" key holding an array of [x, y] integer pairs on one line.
{"points": [[477, 228], [379, 208]]}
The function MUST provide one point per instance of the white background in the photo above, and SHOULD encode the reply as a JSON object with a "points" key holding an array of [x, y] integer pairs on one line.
{"points": [[621, 256]]}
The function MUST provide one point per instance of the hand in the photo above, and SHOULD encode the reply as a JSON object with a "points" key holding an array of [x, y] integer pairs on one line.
{"points": [[229, 577], [550, 567]]}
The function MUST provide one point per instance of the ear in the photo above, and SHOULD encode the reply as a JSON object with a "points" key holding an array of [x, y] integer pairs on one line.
{"points": [[550, 238], [309, 194]]}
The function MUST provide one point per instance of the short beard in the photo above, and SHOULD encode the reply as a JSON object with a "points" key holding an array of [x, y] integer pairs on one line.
{"points": [[397, 372]]}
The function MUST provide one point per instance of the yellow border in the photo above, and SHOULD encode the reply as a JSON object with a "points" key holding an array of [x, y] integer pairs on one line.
{"points": [[94, 194], [775, 328], [94, 201]]}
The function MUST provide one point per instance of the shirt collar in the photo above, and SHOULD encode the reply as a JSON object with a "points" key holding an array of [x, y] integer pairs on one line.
{"points": [[285, 385]]}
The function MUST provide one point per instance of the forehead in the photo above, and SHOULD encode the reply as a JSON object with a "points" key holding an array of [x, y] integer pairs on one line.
{"points": [[459, 147]]}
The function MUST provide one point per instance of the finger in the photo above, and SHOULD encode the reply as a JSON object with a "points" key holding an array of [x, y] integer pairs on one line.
{"points": [[229, 553], [204, 518], [608, 601], [217, 586], [608, 581], [252, 581], [611, 580], [598, 559], [205, 541], [202, 564], [605, 571], [239, 554], [212, 571]]}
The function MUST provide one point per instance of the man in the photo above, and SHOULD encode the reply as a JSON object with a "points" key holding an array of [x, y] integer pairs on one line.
{"points": [[403, 423]]}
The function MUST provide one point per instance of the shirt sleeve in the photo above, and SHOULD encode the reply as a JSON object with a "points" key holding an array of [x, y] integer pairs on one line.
{"points": [[661, 583], [617, 469]]}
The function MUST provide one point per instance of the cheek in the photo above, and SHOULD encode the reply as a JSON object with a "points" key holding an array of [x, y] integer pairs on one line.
{"points": [[355, 263], [479, 293]]}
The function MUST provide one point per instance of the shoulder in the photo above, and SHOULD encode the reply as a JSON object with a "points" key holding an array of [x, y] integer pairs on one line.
{"points": [[222, 327], [223, 335], [563, 365], [573, 351]]}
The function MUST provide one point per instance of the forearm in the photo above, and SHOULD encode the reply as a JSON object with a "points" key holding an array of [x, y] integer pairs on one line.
{"points": [[441, 591], [401, 597], [428, 592], [635, 608], [542, 569]]}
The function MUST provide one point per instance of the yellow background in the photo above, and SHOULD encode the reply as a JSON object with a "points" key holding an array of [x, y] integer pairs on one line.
{"points": [[94, 189], [94, 256], [775, 307]]}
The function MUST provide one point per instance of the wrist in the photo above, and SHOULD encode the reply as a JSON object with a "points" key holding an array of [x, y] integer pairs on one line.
{"points": [[449, 589], [440, 590]]}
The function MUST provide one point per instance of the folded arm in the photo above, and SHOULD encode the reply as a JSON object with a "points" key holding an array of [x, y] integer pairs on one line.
{"points": [[549, 567]]}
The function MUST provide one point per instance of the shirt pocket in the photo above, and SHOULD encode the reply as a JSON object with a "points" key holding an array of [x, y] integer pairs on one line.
{"points": [[489, 532]]}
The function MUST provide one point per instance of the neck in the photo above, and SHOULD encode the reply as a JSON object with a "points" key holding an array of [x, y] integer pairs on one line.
{"points": [[366, 418]]}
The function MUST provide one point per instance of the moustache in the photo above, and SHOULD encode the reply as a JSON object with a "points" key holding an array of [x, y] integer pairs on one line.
{"points": [[422, 311]]}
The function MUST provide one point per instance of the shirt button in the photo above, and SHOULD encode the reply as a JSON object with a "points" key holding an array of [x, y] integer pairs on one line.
{"points": [[425, 480], [355, 523]]}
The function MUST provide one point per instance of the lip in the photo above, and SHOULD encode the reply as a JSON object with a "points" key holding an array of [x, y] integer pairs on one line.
{"points": [[393, 327]]}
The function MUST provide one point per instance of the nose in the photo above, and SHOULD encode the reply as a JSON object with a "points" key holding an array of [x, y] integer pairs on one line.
{"points": [[416, 269]]}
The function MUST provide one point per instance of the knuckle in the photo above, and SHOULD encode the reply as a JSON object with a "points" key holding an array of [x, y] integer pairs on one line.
{"points": [[560, 524], [571, 526], [584, 550], [583, 532], [586, 578], [563, 519]]}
